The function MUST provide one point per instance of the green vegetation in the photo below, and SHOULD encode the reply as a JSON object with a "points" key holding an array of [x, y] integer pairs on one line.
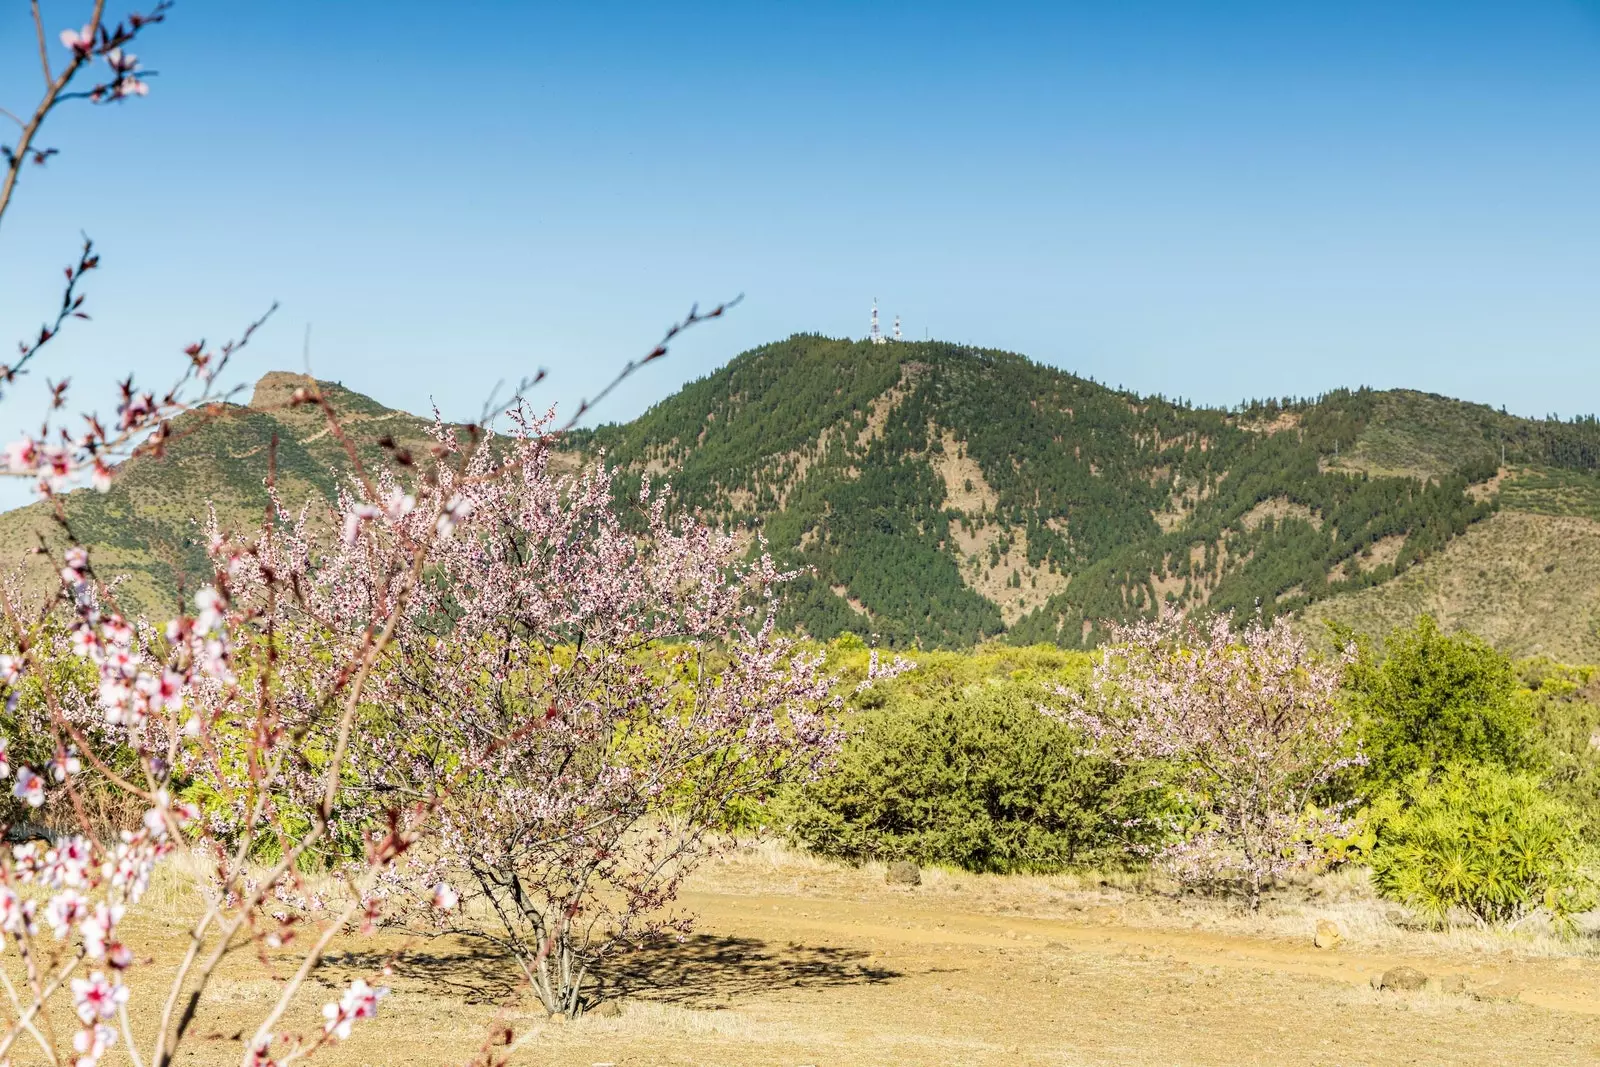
{"points": [[937, 495], [1477, 838], [954, 764], [1480, 797], [1434, 699]]}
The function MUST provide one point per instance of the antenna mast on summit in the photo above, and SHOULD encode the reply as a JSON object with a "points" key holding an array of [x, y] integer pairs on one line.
{"points": [[897, 327], [876, 337]]}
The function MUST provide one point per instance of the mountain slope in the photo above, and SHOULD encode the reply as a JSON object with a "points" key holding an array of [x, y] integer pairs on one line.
{"points": [[943, 494], [937, 494], [147, 530]]}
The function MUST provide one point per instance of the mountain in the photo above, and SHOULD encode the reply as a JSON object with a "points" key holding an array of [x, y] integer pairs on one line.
{"points": [[939, 494], [942, 494], [147, 530]]}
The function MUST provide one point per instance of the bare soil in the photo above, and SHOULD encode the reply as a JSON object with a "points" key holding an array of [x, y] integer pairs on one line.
{"points": [[800, 963]]}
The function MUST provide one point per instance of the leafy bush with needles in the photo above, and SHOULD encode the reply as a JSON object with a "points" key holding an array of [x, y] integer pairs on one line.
{"points": [[1477, 839]]}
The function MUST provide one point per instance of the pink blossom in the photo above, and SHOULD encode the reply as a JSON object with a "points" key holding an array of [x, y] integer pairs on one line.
{"points": [[100, 476], [65, 910], [12, 914], [92, 1042], [22, 456], [360, 1001], [97, 997], [80, 41], [1252, 723], [29, 787], [445, 897]]}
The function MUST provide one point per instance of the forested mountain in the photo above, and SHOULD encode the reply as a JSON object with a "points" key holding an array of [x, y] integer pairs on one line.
{"points": [[941, 495]]}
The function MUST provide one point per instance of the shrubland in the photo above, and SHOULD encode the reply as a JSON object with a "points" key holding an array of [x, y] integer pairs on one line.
{"points": [[1232, 759]]}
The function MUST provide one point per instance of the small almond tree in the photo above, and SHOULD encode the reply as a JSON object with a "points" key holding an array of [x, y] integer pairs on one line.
{"points": [[101, 708], [577, 701], [1252, 722]]}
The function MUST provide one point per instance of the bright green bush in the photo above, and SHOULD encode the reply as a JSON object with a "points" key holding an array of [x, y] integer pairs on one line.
{"points": [[1566, 722], [1436, 698], [1479, 839], [975, 778]]}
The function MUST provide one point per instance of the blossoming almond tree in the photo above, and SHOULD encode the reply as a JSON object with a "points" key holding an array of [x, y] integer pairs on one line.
{"points": [[211, 695], [572, 703], [1251, 720]]}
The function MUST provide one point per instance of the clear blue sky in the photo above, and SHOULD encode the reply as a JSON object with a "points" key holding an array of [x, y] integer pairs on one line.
{"points": [[1210, 200]]}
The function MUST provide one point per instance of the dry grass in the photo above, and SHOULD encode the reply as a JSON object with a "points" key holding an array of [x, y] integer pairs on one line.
{"points": [[1528, 583], [798, 960]]}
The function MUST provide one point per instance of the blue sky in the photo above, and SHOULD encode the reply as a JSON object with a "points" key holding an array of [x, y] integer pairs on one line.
{"points": [[1212, 200]]}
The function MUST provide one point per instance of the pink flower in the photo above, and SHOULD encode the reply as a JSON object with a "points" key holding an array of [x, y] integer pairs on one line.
{"points": [[65, 910], [22, 456], [121, 62], [85, 642], [445, 897], [354, 518], [211, 606], [360, 1001], [12, 913], [456, 509], [92, 1042], [98, 929], [260, 1053], [100, 477], [29, 788], [5, 760], [399, 504], [80, 41], [96, 997]]}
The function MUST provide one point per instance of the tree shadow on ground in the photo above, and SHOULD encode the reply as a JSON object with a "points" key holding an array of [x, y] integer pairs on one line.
{"points": [[706, 969], [703, 970], [476, 972]]}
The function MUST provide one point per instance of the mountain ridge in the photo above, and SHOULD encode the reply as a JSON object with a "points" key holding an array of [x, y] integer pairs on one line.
{"points": [[940, 494]]}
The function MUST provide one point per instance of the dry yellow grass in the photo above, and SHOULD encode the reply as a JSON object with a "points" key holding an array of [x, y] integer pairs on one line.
{"points": [[799, 961]]}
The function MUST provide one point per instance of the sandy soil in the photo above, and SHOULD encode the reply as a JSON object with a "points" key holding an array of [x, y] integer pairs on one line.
{"points": [[811, 964]]}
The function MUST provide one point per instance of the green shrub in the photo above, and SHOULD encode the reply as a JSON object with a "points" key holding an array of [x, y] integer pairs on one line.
{"points": [[1482, 840], [975, 778], [1434, 699], [1566, 722]]}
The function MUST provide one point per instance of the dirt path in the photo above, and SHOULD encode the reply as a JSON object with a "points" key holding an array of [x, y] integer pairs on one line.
{"points": [[827, 966], [792, 980]]}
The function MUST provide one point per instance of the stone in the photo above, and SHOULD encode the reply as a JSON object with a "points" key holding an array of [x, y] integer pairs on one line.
{"points": [[607, 1009], [1453, 984], [903, 872], [1403, 979], [1327, 935]]}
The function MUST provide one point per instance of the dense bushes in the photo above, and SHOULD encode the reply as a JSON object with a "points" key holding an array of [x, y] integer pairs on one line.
{"points": [[975, 779], [1436, 698], [1482, 840], [1479, 795]]}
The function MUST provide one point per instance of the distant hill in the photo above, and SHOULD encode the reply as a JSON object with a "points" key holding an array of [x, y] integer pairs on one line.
{"points": [[945, 494], [942, 495], [146, 529]]}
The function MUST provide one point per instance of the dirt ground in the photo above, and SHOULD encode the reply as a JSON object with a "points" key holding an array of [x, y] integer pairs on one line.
{"points": [[798, 963]]}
